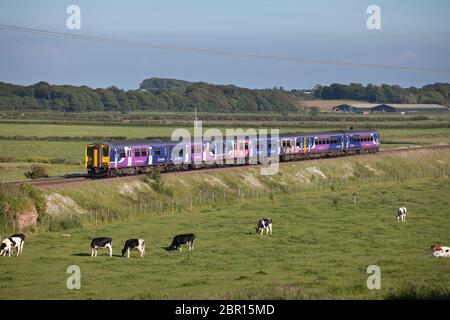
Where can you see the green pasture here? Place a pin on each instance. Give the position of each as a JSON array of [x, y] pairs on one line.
[[321, 246]]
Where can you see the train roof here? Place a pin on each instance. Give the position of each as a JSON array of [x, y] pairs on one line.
[[138, 142], [155, 142], [322, 133]]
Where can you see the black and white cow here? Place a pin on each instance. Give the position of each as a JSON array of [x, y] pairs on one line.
[[180, 239], [102, 242], [138, 244], [16, 241], [401, 214], [264, 225]]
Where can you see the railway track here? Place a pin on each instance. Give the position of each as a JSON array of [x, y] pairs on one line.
[[65, 180]]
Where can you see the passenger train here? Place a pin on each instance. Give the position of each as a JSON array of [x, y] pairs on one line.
[[117, 158]]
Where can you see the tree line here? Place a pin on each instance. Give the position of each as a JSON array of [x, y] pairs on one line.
[[157, 94], [438, 93], [201, 96]]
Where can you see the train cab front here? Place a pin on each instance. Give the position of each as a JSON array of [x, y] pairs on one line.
[[97, 160]]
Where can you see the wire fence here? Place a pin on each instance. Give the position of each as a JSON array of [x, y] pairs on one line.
[[186, 204]]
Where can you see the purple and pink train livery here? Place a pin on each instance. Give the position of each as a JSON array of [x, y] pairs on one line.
[[129, 157]]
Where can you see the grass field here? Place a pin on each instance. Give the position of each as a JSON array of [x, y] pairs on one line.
[[321, 247]]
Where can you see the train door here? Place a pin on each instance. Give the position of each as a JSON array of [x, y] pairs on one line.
[[310, 143], [128, 156], [150, 155], [116, 157], [186, 154]]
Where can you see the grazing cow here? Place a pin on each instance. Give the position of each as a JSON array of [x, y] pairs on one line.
[[103, 242], [16, 241], [401, 214], [264, 225], [440, 251], [180, 239], [138, 244]]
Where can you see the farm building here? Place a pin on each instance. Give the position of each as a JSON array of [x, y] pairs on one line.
[[354, 107], [388, 107], [405, 107]]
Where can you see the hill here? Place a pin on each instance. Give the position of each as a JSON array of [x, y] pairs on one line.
[[158, 84]]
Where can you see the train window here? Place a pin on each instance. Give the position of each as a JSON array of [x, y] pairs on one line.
[[121, 153], [143, 152], [246, 146], [137, 152], [298, 143], [105, 152], [157, 152]]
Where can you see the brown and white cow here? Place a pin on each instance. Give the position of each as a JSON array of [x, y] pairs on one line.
[[440, 251]]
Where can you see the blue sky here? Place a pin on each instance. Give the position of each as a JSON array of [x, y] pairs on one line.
[[414, 34]]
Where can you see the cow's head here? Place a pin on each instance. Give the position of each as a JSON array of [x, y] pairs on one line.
[[436, 247], [124, 251], [259, 226], [3, 248]]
